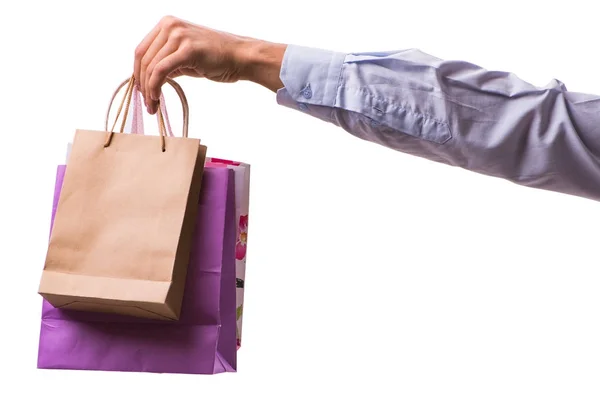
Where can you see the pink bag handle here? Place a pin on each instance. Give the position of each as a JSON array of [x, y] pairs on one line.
[[137, 122]]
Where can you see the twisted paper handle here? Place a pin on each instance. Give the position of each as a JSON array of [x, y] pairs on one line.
[[137, 123], [127, 101]]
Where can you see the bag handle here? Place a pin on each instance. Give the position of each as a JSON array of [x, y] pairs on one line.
[[137, 117], [178, 90], [127, 102]]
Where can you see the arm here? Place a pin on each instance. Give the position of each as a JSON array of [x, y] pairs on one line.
[[451, 112]]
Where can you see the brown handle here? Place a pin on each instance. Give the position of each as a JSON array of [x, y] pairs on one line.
[[178, 90], [127, 101]]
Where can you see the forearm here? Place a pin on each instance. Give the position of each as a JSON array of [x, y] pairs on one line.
[[261, 62], [453, 112]]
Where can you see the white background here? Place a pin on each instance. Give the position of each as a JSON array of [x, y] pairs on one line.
[[370, 273]]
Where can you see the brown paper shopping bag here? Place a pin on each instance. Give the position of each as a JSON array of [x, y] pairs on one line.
[[124, 222]]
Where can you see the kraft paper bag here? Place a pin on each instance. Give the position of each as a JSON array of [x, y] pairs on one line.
[[122, 232], [203, 341]]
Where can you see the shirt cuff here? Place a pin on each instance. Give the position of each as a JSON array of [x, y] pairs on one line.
[[310, 75]]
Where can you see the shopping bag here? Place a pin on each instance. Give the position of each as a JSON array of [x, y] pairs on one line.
[[242, 198], [122, 231], [242, 202], [202, 341]]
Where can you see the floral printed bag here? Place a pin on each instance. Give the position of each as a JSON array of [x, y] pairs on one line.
[[242, 201]]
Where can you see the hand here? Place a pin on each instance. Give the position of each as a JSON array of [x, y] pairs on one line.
[[176, 47]]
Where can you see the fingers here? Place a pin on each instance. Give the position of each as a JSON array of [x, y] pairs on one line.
[[151, 96], [154, 48], [141, 50], [163, 41], [164, 68]]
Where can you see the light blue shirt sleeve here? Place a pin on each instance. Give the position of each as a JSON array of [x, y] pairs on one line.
[[453, 112]]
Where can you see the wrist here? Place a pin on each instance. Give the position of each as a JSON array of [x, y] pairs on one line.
[[260, 62]]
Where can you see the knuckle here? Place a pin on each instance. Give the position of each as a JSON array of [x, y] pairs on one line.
[[159, 69], [177, 34], [166, 20], [186, 47], [159, 72], [169, 22], [139, 52], [145, 62]]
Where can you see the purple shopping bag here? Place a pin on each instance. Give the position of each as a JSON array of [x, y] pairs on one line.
[[203, 341]]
